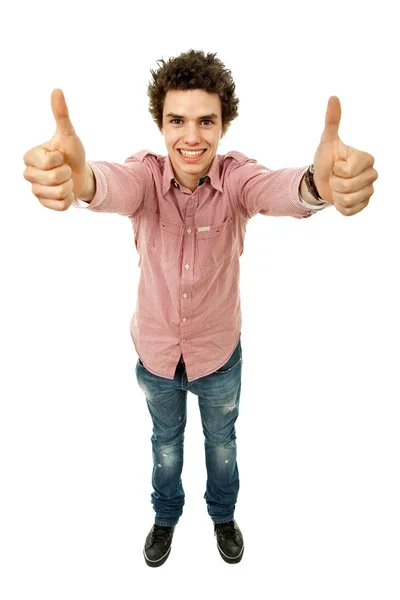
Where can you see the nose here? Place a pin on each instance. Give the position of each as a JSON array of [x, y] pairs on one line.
[[191, 135]]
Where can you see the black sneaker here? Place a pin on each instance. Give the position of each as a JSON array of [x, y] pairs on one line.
[[229, 541], [158, 545]]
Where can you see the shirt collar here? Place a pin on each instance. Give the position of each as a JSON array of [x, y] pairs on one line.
[[212, 175]]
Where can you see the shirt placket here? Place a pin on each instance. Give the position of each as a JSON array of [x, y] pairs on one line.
[[187, 271]]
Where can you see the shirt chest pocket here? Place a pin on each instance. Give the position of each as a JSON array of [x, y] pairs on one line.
[[214, 244], [166, 241]]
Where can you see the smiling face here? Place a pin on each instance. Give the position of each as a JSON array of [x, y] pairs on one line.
[[192, 122]]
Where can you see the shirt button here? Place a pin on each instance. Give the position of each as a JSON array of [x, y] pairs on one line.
[[186, 267], [185, 295], [184, 319], [183, 341], [189, 231]]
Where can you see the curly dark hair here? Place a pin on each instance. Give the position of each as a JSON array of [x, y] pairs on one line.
[[193, 70]]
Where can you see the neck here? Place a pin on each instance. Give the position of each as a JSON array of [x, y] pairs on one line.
[[187, 180]]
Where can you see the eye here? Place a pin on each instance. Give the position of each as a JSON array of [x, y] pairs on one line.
[[174, 120], [206, 121]]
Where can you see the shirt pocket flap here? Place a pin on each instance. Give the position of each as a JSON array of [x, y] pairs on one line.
[[214, 243], [166, 240]]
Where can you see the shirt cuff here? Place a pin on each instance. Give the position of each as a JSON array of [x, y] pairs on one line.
[[79, 203], [323, 204]]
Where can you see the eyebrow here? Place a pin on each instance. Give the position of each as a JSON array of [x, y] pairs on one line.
[[175, 116]]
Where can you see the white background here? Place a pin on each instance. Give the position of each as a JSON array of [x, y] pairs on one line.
[[318, 431]]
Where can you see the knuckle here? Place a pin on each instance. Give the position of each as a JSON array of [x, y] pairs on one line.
[[346, 203], [345, 170], [64, 173], [64, 205], [61, 192], [53, 177], [26, 158], [64, 190], [346, 186], [342, 200], [47, 163]]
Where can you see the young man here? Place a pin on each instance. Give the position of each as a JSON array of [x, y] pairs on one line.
[[189, 212]]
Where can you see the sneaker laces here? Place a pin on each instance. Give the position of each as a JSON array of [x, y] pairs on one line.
[[228, 530], [160, 533]]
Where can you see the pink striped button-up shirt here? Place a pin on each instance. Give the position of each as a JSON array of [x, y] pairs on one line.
[[189, 244]]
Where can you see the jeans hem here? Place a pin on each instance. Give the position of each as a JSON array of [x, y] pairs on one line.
[[223, 520], [165, 523]]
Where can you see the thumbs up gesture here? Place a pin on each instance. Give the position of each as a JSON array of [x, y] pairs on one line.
[[343, 175], [57, 169]]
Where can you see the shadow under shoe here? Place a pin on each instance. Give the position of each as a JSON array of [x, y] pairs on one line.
[[158, 545], [229, 541]]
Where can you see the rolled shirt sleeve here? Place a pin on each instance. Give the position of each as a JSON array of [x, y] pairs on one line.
[[259, 190], [314, 206], [80, 203], [120, 188]]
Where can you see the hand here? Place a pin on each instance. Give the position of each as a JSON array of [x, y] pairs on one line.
[[343, 175], [57, 169]]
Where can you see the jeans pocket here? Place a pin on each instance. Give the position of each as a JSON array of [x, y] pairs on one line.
[[233, 360]]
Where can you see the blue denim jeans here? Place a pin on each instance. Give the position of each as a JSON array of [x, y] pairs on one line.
[[218, 396]]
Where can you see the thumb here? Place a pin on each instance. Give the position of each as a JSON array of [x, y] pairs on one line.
[[332, 120], [61, 114]]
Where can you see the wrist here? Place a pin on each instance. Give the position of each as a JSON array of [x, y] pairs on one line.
[[87, 194], [310, 184], [306, 193]]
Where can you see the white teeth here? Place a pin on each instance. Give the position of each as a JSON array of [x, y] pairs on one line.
[[191, 154]]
